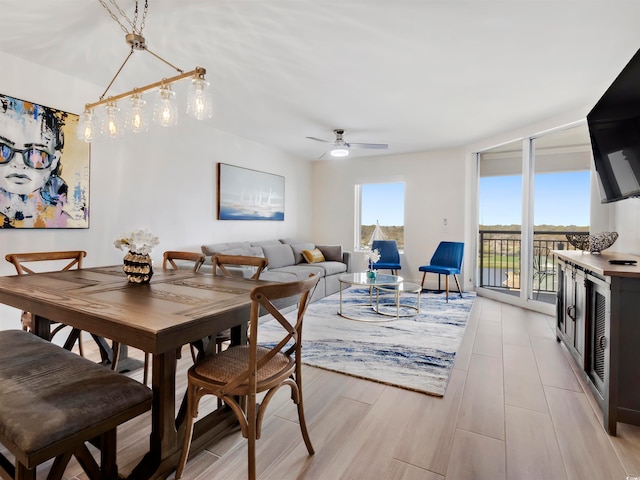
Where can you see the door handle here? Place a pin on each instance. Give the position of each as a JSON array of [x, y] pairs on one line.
[[571, 312], [602, 342]]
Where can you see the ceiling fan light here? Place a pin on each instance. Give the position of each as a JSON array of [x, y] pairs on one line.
[[339, 152]]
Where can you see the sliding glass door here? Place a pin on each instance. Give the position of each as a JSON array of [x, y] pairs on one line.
[[500, 218], [561, 198], [531, 193]]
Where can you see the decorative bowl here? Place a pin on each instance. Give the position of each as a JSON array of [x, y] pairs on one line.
[[592, 243]]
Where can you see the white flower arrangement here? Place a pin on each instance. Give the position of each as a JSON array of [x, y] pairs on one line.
[[372, 256], [138, 241]]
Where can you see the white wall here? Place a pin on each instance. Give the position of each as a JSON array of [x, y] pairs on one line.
[[164, 180], [626, 221], [434, 190]]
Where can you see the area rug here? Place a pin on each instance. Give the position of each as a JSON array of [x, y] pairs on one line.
[[414, 352]]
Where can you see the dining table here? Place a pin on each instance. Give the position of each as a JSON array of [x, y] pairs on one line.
[[175, 308]]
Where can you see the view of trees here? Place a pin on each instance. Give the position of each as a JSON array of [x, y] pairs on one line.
[[392, 232]]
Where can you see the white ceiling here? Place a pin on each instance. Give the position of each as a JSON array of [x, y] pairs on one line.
[[416, 74]]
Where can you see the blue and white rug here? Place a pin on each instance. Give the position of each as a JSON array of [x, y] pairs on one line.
[[415, 352]]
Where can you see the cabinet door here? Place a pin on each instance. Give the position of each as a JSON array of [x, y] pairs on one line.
[[580, 302], [561, 302], [569, 313], [598, 328]]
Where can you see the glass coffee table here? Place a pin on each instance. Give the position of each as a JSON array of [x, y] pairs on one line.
[[393, 309], [362, 280]]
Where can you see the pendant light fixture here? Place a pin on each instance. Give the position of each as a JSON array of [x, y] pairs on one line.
[[165, 110], [136, 119], [112, 126]]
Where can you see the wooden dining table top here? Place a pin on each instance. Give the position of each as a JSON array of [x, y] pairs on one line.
[[176, 307]]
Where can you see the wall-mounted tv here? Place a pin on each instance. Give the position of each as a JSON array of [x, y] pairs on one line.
[[614, 127]]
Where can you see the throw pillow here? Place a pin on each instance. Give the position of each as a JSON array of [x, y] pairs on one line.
[[332, 253], [298, 248], [313, 256]]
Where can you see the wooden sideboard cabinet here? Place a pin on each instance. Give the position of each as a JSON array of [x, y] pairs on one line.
[[598, 319]]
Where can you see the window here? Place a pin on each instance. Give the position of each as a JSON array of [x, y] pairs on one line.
[[379, 213]]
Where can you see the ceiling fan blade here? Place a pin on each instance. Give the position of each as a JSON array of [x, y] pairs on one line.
[[323, 155], [369, 145], [318, 139]]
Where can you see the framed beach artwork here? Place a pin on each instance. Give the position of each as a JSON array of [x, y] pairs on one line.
[[245, 194], [44, 168]]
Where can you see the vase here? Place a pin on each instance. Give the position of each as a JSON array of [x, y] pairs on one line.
[[138, 267], [371, 274]]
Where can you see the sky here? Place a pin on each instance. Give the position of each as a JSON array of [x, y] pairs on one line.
[[383, 202], [559, 199]]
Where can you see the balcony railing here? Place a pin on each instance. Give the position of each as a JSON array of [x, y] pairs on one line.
[[500, 254]]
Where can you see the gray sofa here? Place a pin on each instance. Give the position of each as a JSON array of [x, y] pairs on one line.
[[287, 262]]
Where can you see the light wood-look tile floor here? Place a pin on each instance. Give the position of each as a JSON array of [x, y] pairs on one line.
[[515, 409]]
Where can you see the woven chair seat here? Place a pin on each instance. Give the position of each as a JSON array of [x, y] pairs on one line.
[[225, 366]]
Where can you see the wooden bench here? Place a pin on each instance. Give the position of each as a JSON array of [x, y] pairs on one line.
[[52, 401]]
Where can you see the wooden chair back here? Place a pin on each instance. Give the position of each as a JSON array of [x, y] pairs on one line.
[[221, 261], [170, 257], [23, 262]]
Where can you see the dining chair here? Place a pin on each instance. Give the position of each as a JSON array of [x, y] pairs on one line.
[[389, 255], [239, 373], [255, 265], [176, 259], [447, 260], [232, 266], [36, 262]]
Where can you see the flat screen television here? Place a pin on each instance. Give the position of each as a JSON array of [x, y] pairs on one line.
[[614, 128]]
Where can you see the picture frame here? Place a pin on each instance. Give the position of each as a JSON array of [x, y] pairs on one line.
[[245, 194], [44, 167]]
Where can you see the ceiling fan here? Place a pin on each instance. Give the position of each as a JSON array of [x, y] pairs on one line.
[[340, 148]]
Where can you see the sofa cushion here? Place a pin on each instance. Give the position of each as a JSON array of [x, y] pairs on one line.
[[293, 241], [279, 255], [214, 248], [245, 251], [298, 248], [331, 268], [331, 253], [303, 270], [313, 256], [278, 276], [262, 243]]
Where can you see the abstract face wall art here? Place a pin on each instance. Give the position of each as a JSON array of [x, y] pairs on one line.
[[44, 169]]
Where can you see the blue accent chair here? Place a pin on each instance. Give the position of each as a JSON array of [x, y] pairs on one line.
[[389, 255], [447, 260]]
